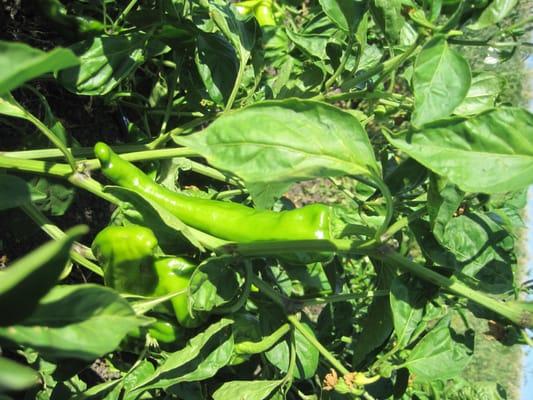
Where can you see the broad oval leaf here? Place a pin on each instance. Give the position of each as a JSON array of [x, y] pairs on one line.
[[107, 60], [14, 376], [246, 390], [346, 14], [490, 153], [213, 284], [407, 305], [494, 13], [30, 278], [441, 354], [388, 16], [20, 63], [481, 96], [217, 65], [76, 321], [275, 143], [440, 82]]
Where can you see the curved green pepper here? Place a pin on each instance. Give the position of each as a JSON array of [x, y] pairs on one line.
[[127, 256], [225, 220], [174, 274]]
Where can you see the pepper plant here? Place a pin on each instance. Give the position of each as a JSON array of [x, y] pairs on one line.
[[212, 278]]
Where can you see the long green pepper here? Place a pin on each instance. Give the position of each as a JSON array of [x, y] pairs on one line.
[[225, 220]]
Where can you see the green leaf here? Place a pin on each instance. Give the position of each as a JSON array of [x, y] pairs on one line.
[[217, 64], [106, 61], [307, 355], [20, 63], [275, 143], [377, 324], [9, 106], [246, 390], [443, 200], [346, 14], [76, 321], [57, 196], [312, 44], [15, 192], [494, 13], [441, 354], [440, 82], [14, 376], [200, 359], [213, 284], [490, 153], [474, 240], [407, 303], [388, 16], [24, 282], [481, 96]]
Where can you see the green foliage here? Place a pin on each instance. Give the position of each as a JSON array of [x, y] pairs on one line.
[[234, 108]]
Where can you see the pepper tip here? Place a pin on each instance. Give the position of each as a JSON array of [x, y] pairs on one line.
[[102, 152]]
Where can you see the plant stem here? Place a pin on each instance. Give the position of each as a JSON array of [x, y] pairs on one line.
[[53, 138], [124, 13], [384, 68], [35, 166], [342, 64], [402, 223], [513, 312], [293, 319], [237, 84], [81, 152], [145, 155], [276, 298], [334, 298]]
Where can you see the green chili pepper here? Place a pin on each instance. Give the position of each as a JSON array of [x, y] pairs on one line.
[[127, 256], [162, 330], [174, 274], [225, 220], [262, 10]]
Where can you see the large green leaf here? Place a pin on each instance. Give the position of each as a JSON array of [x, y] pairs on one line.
[[441, 354], [345, 13], [200, 359], [490, 153], [24, 282], [246, 390], [494, 13], [440, 82], [20, 63], [388, 16], [213, 284], [14, 376], [107, 60], [217, 64], [407, 303], [75, 321], [275, 143], [481, 95]]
